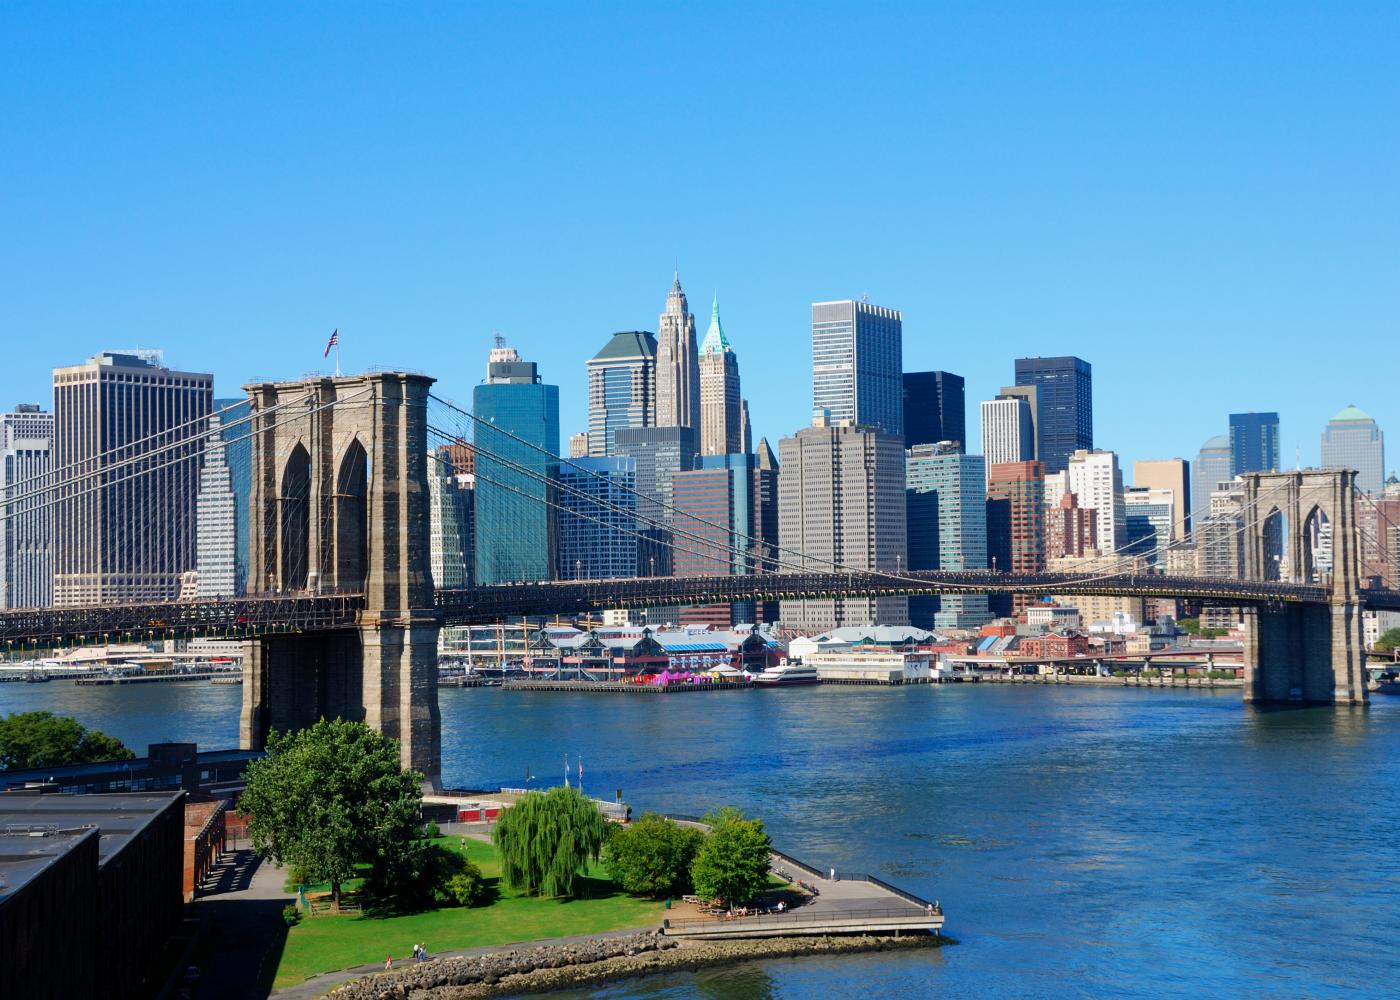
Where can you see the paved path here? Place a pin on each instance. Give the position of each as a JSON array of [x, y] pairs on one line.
[[241, 910]]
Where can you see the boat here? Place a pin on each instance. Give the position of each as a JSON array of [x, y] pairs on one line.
[[1383, 681], [787, 674]]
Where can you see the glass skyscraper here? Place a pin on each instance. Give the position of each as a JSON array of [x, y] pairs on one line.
[[1065, 401], [935, 408], [515, 521], [598, 519], [1211, 469], [1253, 442], [946, 498], [621, 388], [858, 364], [659, 453], [1352, 440]]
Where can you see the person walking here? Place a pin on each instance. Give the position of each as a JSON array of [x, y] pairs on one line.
[[388, 962]]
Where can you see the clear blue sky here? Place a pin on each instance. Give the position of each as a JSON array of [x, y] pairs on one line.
[[1200, 198]]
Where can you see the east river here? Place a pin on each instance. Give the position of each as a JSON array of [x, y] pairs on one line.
[[1083, 842]]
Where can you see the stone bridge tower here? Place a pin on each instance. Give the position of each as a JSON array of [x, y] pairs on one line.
[[339, 502], [1301, 527]]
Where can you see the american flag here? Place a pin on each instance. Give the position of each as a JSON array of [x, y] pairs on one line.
[[333, 342]]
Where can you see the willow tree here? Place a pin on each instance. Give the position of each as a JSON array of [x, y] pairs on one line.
[[546, 841]]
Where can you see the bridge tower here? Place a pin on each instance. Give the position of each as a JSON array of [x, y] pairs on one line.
[[339, 502], [1304, 652]]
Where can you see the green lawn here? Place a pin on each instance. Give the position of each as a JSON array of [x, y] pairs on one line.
[[323, 944]]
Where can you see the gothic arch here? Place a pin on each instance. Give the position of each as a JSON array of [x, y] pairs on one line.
[[1272, 535], [1316, 545], [351, 518], [294, 520]]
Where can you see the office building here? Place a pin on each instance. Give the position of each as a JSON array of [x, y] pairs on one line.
[[1094, 477], [841, 504], [1016, 523], [946, 504], [598, 518], [621, 389], [722, 410], [1064, 407], [451, 499], [1032, 397], [1008, 431], [1149, 512], [935, 408], [858, 365], [133, 539], [1221, 534], [578, 445], [1352, 440], [1253, 443], [658, 454], [1070, 530], [216, 519], [1212, 467], [26, 531], [516, 458], [1173, 475], [677, 368]]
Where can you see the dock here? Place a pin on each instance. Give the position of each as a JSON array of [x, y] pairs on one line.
[[461, 681], [619, 687], [140, 679]]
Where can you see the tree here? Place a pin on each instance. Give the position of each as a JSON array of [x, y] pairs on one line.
[[42, 739], [653, 855], [733, 864], [1389, 640], [546, 841], [330, 797]]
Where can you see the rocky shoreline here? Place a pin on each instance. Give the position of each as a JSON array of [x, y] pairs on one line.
[[591, 963]]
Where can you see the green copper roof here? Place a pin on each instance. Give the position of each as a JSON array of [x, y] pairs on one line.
[[629, 344], [715, 341], [1351, 412]]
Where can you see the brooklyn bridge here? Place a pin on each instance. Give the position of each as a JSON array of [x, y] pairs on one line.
[[342, 616]]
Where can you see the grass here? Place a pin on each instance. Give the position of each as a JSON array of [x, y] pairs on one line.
[[326, 943]]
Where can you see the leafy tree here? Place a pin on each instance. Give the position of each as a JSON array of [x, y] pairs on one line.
[[42, 739], [330, 797], [1388, 641], [653, 855], [547, 839], [1191, 626], [734, 863], [467, 887]]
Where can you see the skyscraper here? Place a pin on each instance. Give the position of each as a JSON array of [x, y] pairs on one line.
[[1174, 476], [132, 539], [721, 407], [1032, 397], [841, 503], [1253, 443], [516, 449], [935, 408], [1016, 520], [946, 504], [659, 453], [237, 432], [598, 520], [451, 497], [216, 519], [1352, 440], [677, 369], [1008, 433], [1149, 513], [621, 388], [1065, 396], [26, 531], [1095, 478], [1213, 464], [858, 364]]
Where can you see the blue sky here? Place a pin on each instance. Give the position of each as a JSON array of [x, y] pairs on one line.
[[1199, 198]]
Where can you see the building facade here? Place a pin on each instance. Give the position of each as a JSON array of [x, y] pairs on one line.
[[216, 519], [858, 365], [451, 499], [138, 429], [946, 507], [1065, 406], [26, 531], [621, 388], [841, 504], [1008, 431], [1095, 478], [516, 459], [935, 408], [1213, 464], [722, 413], [1149, 514], [1352, 440], [598, 518], [1070, 530], [1253, 443], [1016, 521], [1173, 475], [658, 454], [677, 370]]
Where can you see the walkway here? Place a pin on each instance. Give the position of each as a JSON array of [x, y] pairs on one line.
[[240, 909]]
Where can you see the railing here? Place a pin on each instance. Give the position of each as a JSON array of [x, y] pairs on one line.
[[894, 889], [801, 915]]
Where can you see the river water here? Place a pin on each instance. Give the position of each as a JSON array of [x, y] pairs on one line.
[[1121, 842]]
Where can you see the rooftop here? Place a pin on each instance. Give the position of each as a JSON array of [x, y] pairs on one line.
[[1352, 413], [628, 344]]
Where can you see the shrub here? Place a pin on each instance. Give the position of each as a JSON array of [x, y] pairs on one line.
[[467, 887], [653, 855]]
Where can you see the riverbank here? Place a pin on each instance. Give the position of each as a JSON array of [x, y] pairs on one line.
[[593, 963]]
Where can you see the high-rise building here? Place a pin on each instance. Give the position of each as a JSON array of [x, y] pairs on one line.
[[746, 433], [1174, 475], [1212, 467], [659, 453], [1008, 431], [721, 407], [935, 408], [132, 539], [1016, 520], [677, 370], [1070, 530], [841, 504], [26, 530], [451, 498], [858, 365], [1032, 397], [1352, 440], [578, 445], [621, 388], [1221, 533], [946, 505], [1149, 513], [598, 518], [237, 431], [1253, 443], [516, 459], [216, 519], [1065, 406], [1095, 478]]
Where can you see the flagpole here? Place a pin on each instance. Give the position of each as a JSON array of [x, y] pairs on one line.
[[337, 356]]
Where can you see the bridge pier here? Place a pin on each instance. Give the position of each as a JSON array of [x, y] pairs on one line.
[[1309, 653]]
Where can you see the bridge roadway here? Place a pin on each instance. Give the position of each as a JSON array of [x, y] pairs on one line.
[[245, 617]]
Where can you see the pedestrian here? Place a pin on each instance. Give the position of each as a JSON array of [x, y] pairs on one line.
[[930, 909], [422, 953], [464, 845], [389, 962], [833, 874]]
